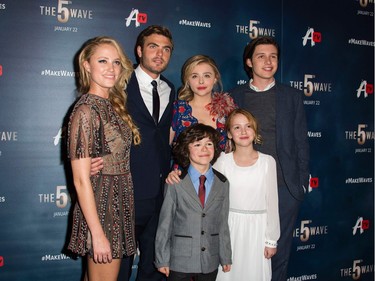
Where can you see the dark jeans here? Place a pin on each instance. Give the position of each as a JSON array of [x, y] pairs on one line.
[[146, 223], [288, 212]]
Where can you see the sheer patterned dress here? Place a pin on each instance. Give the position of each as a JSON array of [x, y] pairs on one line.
[[94, 130]]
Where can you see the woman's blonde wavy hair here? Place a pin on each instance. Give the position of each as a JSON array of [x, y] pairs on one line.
[[117, 94]]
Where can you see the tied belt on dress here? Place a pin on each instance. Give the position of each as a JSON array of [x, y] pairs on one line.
[[247, 211]]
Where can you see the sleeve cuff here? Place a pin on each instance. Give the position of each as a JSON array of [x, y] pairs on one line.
[[270, 244]]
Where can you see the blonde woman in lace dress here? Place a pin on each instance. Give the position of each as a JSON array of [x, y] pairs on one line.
[[103, 217]]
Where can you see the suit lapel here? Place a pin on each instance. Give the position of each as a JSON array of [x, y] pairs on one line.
[[167, 114], [188, 187], [216, 185], [134, 94], [279, 106]]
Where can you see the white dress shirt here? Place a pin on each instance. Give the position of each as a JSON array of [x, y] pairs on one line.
[[144, 81], [256, 89]]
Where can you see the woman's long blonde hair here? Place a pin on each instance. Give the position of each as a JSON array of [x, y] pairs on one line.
[[117, 94]]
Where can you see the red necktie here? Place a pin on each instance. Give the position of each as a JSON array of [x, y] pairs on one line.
[[202, 189]]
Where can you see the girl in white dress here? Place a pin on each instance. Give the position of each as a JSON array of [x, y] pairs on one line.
[[253, 215]]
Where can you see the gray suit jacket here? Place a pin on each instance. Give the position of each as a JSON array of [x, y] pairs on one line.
[[192, 239]]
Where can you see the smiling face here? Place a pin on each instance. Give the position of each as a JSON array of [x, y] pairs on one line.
[[155, 54], [241, 131], [104, 67], [263, 63], [201, 154], [202, 79]]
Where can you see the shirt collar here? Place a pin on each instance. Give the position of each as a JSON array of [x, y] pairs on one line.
[[256, 89], [143, 77], [194, 174]]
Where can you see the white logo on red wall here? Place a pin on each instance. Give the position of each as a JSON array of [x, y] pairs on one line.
[[136, 17], [365, 89], [312, 36], [361, 225]]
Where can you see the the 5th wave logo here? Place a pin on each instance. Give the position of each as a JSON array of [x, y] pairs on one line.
[[255, 30], [64, 11], [311, 36], [309, 85], [358, 269], [306, 230]]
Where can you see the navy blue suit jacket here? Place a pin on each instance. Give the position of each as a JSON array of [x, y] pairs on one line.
[[150, 161], [291, 136]]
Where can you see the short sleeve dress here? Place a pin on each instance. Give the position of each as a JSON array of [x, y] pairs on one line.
[[94, 130]]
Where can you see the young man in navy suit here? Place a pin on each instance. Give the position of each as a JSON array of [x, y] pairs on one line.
[[280, 113], [149, 161]]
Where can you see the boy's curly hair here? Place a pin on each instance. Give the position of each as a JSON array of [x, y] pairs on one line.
[[194, 133]]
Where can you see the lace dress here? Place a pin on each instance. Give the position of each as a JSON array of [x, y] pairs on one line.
[[94, 130]]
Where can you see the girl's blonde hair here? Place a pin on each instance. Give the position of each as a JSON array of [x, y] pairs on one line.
[[185, 93], [252, 121]]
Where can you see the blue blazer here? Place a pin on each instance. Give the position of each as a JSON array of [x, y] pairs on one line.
[[150, 161], [291, 136]]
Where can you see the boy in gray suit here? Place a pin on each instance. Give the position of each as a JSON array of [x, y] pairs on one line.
[[193, 239]]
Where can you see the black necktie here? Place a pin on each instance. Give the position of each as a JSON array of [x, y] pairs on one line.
[[202, 189], [155, 101]]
